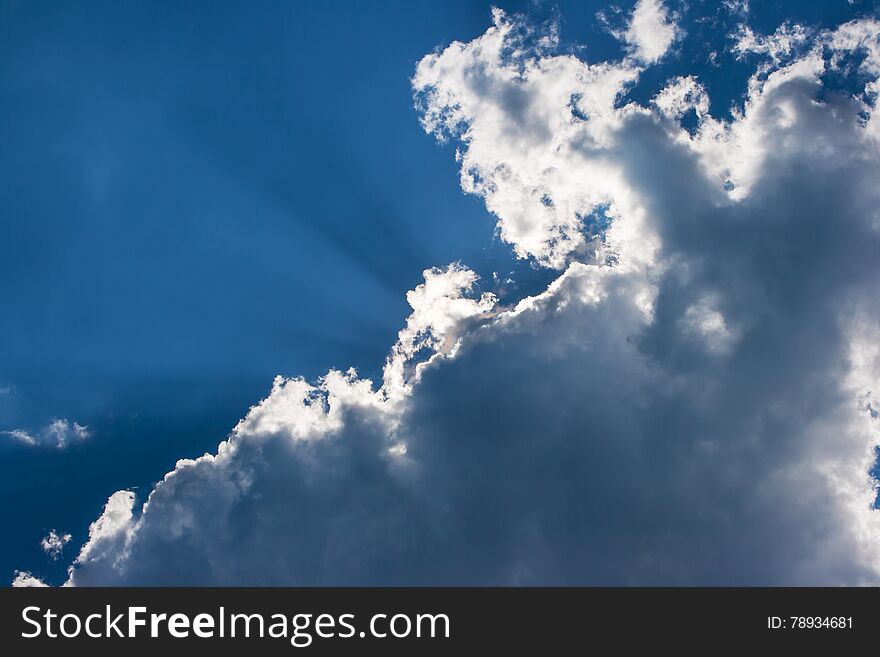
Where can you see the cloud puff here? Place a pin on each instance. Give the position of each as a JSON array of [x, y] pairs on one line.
[[681, 95], [650, 33], [25, 579], [691, 401], [59, 433], [54, 543]]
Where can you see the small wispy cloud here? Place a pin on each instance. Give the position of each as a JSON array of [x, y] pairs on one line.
[[21, 436], [740, 7], [54, 543], [59, 433]]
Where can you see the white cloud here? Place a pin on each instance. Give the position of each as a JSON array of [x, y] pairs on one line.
[[681, 95], [736, 6], [110, 534], [26, 580], [692, 402], [779, 46], [705, 321], [535, 129], [440, 313], [54, 543], [62, 432], [857, 36], [650, 32], [59, 433], [794, 61], [790, 40], [21, 436]]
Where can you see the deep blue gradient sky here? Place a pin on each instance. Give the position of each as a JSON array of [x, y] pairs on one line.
[[197, 196]]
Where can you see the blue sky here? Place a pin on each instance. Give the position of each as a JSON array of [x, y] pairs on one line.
[[195, 197]]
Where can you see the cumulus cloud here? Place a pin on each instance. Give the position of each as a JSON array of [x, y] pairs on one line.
[[534, 129], [650, 32], [110, 534], [691, 401], [440, 314], [59, 433], [54, 543], [25, 579]]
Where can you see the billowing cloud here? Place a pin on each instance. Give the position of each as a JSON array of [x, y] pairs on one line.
[[59, 433], [691, 401], [534, 130]]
